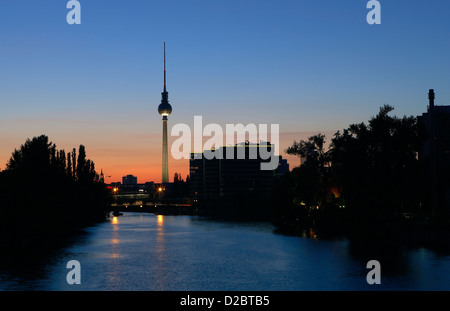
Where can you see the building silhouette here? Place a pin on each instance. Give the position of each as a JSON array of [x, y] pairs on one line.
[[165, 109], [436, 155], [129, 180], [283, 167], [234, 186], [131, 188]]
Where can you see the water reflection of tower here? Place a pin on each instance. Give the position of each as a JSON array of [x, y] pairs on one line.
[[165, 109]]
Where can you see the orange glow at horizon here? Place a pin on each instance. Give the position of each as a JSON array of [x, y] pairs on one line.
[[139, 154]]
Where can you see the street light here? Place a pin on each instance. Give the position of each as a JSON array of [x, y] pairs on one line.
[[160, 192], [115, 189]]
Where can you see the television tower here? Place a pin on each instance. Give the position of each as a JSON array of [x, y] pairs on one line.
[[165, 109]]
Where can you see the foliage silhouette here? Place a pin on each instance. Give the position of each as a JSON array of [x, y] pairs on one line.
[[41, 198], [367, 178]]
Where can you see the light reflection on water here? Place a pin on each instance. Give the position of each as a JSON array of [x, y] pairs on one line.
[[149, 252]]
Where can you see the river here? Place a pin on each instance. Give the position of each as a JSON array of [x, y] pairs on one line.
[[142, 251]]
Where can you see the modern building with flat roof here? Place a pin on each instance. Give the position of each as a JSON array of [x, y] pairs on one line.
[[231, 185]]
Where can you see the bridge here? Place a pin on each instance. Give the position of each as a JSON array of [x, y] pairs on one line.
[[141, 202]]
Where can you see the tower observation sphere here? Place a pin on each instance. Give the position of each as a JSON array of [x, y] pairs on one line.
[[165, 108]]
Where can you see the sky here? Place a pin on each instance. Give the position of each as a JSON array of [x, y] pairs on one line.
[[309, 66]]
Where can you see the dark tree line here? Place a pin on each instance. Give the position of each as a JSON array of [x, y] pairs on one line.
[[46, 193], [366, 181]]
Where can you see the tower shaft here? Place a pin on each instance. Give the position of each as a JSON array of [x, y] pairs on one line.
[[165, 154]]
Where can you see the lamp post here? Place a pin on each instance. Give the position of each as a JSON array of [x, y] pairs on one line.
[[115, 194], [160, 192]]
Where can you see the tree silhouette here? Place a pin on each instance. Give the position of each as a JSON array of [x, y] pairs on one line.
[[33, 156], [312, 149], [74, 164], [377, 168], [40, 198], [367, 178], [69, 165]]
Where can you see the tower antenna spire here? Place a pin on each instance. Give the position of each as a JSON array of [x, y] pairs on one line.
[[165, 66]]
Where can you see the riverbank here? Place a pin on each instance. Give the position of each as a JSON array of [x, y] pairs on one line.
[[160, 209], [400, 233], [21, 241]]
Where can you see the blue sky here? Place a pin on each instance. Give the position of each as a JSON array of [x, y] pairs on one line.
[[306, 65]]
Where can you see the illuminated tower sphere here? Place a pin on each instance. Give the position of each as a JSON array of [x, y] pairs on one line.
[[165, 109]]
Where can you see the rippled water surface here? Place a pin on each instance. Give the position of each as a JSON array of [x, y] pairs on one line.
[[151, 252]]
